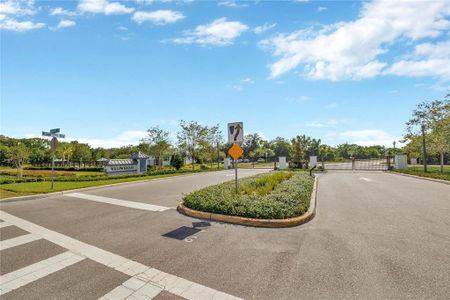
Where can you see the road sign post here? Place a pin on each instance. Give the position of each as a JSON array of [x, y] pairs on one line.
[[235, 136], [235, 132], [54, 133]]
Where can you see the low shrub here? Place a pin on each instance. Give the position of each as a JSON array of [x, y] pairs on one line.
[[277, 195], [435, 174], [87, 169]]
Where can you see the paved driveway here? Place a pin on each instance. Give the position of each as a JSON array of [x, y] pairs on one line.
[[376, 235]]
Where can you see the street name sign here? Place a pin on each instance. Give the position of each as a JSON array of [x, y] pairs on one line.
[[235, 151], [235, 132], [56, 130]]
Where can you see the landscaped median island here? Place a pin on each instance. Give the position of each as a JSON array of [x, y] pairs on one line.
[[266, 198]]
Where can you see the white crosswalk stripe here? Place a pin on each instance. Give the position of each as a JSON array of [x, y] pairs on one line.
[[153, 278], [28, 274], [20, 240], [130, 204], [4, 224]]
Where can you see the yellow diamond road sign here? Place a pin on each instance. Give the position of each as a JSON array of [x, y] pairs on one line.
[[235, 151]]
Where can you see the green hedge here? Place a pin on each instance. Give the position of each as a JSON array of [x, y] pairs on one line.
[[8, 179], [289, 198], [433, 174], [88, 169]]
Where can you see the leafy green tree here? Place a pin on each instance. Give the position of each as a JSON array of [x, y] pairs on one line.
[[432, 117], [252, 142], [281, 147], [81, 152], [176, 161], [65, 151], [190, 138], [215, 139], [299, 145], [158, 143], [18, 155], [4, 154]]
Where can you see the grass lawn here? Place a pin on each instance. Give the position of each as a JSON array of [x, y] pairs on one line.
[[433, 171], [277, 195], [258, 164], [27, 188]]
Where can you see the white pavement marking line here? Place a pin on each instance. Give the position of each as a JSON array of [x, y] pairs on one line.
[[133, 288], [365, 179], [171, 283], [131, 204], [20, 240], [4, 224], [28, 274]]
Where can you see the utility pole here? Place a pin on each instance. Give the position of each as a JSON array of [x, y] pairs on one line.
[[424, 149]]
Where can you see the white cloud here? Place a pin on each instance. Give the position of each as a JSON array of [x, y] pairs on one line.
[[13, 12], [117, 9], [264, 28], [248, 80], [144, 2], [59, 11], [351, 50], [66, 24], [232, 3], [159, 17], [19, 26], [323, 124], [368, 137], [18, 7], [428, 60], [103, 7], [321, 8], [220, 32]]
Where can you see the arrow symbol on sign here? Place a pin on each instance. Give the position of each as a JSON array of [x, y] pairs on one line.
[[238, 130]]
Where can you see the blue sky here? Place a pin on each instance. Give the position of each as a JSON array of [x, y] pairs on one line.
[[105, 71]]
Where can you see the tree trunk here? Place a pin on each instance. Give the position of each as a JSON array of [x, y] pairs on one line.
[[442, 162]]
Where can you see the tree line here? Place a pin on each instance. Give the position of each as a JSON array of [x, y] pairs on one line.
[[205, 144], [200, 144]]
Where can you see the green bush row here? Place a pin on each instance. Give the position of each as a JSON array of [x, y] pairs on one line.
[[88, 169], [8, 179], [290, 198], [435, 174]]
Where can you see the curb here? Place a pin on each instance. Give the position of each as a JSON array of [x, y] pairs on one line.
[[421, 177], [269, 223], [46, 195]]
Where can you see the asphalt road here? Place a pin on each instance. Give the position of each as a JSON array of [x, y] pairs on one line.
[[375, 236]]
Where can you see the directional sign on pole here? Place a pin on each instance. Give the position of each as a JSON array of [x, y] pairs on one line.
[[235, 132], [45, 133], [235, 151]]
